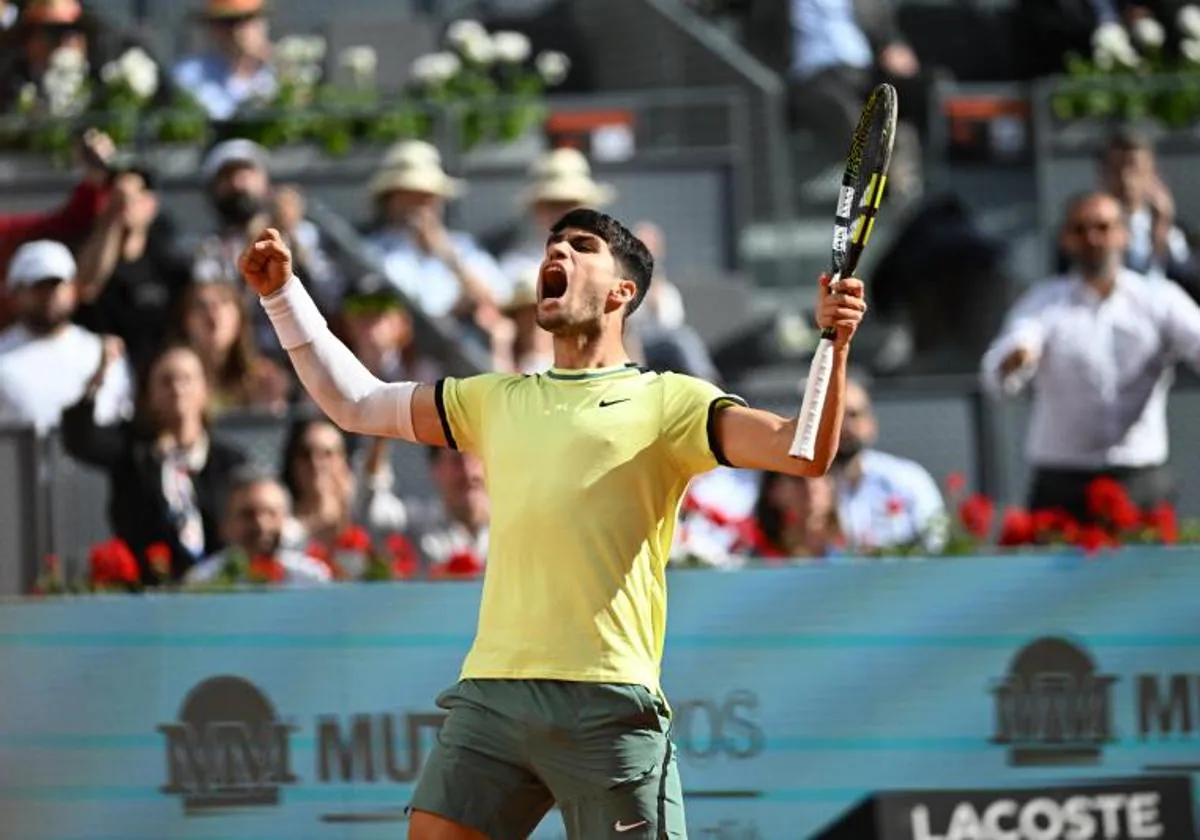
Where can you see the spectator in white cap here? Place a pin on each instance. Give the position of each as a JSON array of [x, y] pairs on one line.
[[238, 185], [45, 360], [238, 68], [443, 272]]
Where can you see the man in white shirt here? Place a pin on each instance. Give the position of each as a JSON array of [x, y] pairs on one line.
[[443, 272], [1099, 346], [256, 512], [884, 501], [45, 360]]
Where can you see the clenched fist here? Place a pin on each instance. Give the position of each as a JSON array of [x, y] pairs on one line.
[[841, 307], [266, 263]]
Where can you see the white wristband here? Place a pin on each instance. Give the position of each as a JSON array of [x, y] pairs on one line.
[[294, 315]]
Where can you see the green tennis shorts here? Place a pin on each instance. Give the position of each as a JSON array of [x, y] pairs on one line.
[[510, 750]]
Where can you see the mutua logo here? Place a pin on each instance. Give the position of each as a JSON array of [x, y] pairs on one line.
[[228, 750], [1053, 708]]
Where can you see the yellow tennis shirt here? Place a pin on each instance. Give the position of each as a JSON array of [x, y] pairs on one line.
[[585, 471]]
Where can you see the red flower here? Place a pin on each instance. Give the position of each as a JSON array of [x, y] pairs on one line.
[[976, 514], [1093, 538], [894, 506], [1049, 524], [1162, 519], [158, 555], [462, 563], [113, 564], [752, 538], [955, 482], [1108, 501], [354, 538], [319, 551], [266, 569], [53, 566], [404, 556], [1017, 528]]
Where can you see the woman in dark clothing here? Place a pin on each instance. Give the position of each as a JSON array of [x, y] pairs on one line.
[[167, 475]]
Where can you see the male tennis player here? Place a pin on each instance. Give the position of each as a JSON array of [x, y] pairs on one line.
[[559, 699]]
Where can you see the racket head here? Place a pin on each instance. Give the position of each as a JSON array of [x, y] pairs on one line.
[[864, 179]]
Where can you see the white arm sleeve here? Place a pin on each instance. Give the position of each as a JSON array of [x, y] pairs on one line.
[[339, 383]]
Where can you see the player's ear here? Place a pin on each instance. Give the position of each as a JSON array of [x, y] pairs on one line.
[[621, 294]]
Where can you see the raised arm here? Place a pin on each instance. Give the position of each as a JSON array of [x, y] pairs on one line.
[[755, 439], [1011, 361], [339, 383]]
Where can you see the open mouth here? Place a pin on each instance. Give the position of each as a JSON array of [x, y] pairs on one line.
[[554, 281]]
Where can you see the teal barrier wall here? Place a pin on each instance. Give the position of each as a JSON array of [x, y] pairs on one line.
[[306, 715]]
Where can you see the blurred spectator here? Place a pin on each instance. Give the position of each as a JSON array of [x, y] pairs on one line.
[[239, 190], [213, 322], [840, 50], [659, 326], [255, 514], [884, 501], [793, 517], [1158, 246], [378, 329], [237, 69], [457, 522], [45, 360], [443, 272], [1099, 345], [714, 517], [326, 497], [69, 223], [131, 269], [8, 15], [168, 477]]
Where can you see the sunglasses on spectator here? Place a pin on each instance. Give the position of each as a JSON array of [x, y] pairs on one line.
[[1080, 228]]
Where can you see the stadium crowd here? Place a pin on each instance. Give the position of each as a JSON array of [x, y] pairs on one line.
[[130, 334]]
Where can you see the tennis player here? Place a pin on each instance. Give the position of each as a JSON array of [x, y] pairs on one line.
[[559, 699]]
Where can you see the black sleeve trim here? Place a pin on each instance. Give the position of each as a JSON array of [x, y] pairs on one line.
[[714, 407], [439, 400]]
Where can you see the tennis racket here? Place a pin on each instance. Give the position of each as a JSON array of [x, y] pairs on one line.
[[858, 201]]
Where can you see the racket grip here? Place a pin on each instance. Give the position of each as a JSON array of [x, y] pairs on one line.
[[804, 444]]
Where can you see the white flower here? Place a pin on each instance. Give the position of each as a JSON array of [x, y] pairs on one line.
[[553, 67], [463, 31], [140, 72], [67, 60], [63, 82], [1110, 42], [510, 47], [360, 61], [111, 73], [1149, 33], [1190, 47], [290, 49], [307, 75], [435, 68], [314, 48], [479, 49], [1188, 21]]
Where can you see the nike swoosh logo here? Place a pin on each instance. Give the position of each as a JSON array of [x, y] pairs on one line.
[[607, 403], [621, 827]]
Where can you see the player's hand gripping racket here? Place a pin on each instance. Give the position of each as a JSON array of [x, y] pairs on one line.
[[862, 191]]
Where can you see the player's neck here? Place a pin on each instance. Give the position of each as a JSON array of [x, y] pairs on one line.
[[583, 352]]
